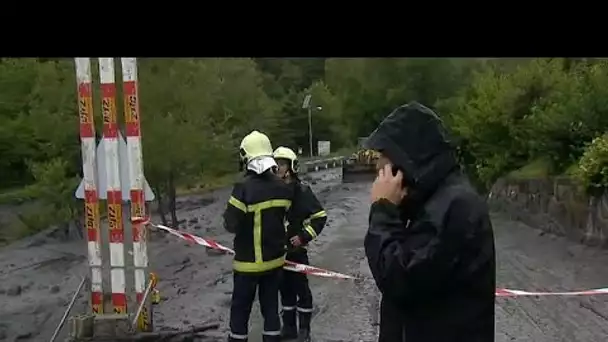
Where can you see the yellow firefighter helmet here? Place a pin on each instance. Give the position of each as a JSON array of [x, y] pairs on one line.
[[286, 153], [255, 145]]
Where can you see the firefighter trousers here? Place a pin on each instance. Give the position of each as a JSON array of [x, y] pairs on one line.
[[296, 296], [243, 295]]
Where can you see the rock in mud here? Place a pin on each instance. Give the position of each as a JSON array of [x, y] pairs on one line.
[[198, 227], [225, 302], [14, 290], [64, 232], [24, 336], [37, 242], [54, 289], [214, 252]]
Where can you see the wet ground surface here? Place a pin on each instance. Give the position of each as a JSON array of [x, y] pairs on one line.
[[37, 279]]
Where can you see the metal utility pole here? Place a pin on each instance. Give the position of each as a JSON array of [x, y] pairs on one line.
[[306, 104], [310, 129]]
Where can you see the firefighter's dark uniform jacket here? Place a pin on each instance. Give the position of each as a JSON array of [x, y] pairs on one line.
[[255, 214], [306, 219], [433, 257]]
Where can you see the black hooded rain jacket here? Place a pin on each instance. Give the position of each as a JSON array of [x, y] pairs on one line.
[[432, 257]]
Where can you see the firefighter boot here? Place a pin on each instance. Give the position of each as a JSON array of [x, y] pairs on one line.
[[271, 338], [232, 339], [289, 330], [304, 323], [304, 335]]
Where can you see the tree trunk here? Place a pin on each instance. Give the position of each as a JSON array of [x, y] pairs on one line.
[[161, 206], [172, 198]]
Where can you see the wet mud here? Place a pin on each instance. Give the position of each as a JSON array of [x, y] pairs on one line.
[[37, 279]]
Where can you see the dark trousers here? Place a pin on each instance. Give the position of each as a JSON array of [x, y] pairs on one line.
[[243, 295], [296, 295]]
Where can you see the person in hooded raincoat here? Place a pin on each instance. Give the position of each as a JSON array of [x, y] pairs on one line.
[[255, 213], [430, 242]]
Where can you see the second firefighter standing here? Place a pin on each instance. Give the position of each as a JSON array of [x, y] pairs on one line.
[[305, 221]]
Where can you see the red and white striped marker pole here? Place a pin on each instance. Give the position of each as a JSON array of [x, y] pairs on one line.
[[114, 193], [91, 200], [136, 176]]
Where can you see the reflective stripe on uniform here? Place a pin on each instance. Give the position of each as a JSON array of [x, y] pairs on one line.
[[288, 308], [318, 214], [248, 267], [257, 225], [237, 204], [310, 231], [259, 265], [269, 204], [304, 309], [271, 333], [238, 336], [308, 227]]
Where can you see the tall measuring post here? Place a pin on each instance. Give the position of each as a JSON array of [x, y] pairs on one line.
[[114, 172], [137, 182], [113, 189], [89, 180]]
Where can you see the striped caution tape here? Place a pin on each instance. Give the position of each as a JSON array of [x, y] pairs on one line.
[[209, 243], [307, 269], [519, 293], [311, 270], [193, 238]]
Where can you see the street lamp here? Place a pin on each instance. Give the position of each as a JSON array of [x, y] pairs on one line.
[[307, 105]]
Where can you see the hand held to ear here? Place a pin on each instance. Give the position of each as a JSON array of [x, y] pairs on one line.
[[388, 185]]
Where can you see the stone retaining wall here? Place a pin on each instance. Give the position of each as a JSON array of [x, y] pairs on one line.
[[555, 206]]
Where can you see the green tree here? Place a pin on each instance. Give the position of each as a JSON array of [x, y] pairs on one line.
[[194, 114]]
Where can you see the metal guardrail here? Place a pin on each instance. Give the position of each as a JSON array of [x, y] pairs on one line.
[[322, 164]]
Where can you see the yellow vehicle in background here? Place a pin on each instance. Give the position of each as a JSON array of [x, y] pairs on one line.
[[361, 166]]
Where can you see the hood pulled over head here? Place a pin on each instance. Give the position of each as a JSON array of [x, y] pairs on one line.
[[413, 138]]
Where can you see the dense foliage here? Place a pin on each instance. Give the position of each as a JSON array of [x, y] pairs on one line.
[[593, 168], [504, 114]]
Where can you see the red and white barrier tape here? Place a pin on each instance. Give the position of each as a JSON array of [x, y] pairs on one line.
[[209, 243], [319, 272], [519, 293], [311, 270]]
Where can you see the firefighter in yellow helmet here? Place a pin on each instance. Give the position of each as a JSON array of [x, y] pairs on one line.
[[256, 214], [306, 219]]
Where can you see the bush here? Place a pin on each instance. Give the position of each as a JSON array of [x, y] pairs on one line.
[[492, 118], [592, 170]]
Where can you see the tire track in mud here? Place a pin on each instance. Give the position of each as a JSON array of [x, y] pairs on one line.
[[530, 260], [347, 309]]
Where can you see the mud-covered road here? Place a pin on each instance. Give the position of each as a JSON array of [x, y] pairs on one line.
[[38, 275]]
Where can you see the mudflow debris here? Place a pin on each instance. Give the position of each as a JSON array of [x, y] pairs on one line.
[[38, 279]]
